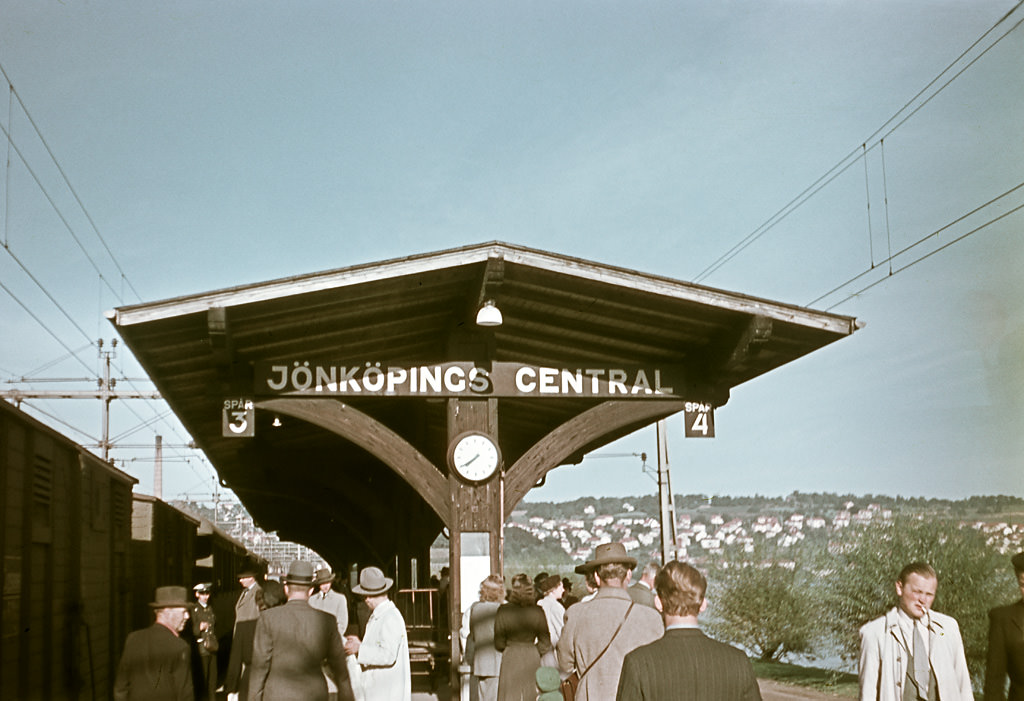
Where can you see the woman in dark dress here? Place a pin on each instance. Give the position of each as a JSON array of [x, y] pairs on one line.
[[521, 635]]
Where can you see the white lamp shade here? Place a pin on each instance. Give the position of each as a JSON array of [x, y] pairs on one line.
[[489, 314]]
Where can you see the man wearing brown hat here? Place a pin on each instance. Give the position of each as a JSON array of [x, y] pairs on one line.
[[598, 633], [329, 601], [156, 663], [293, 642], [1006, 645], [383, 653]]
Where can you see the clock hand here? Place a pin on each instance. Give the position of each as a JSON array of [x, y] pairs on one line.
[[473, 458]]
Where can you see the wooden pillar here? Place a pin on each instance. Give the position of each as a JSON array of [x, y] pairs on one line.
[[475, 508]]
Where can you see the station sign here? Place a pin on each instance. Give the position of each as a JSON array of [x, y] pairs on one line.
[[238, 417], [699, 420], [468, 379]]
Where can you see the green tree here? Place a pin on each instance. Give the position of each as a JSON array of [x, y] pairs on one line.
[[760, 603], [525, 553], [860, 569]]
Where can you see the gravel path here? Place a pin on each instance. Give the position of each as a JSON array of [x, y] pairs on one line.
[[774, 691]]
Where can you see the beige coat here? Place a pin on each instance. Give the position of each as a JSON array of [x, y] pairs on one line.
[[884, 658], [588, 629]]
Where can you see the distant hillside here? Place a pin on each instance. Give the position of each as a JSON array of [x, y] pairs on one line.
[[827, 505]]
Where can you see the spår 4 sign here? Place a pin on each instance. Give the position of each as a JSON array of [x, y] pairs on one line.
[[699, 420]]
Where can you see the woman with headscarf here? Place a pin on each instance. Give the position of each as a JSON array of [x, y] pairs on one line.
[[521, 635]]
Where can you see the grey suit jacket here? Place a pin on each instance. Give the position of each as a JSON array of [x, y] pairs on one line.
[[686, 665], [335, 604], [642, 594], [292, 643]]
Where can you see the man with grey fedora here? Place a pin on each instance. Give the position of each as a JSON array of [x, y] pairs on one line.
[[156, 663], [292, 644], [383, 653], [598, 633]]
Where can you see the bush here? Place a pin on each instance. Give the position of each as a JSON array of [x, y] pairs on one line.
[[761, 605]]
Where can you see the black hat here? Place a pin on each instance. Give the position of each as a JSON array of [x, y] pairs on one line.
[[170, 597], [1018, 562], [549, 583], [249, 569]]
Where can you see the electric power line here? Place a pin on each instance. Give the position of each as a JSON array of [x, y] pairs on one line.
[[860, 151], [67, 182], [906, 249], [929, 254]]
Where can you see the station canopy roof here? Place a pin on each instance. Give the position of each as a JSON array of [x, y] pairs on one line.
[[316, 488]]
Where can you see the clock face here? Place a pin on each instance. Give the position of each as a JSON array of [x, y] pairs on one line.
[[475, 457]]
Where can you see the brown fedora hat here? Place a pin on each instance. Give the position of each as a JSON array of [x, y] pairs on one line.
[[372, 582], [299, 572], [322, 576], [607, 554], [170, 597]]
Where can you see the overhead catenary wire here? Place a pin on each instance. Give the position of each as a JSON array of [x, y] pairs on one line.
[[60, 215], [44, 326], [67, 181], [11, 144], [929, 254], [861, 151], [918, 242]]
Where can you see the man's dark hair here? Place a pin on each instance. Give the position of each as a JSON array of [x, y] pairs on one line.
[[681, 589], [922, 569], [522, 591]]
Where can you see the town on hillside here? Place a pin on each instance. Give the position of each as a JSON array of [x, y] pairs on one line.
[[706, 525]]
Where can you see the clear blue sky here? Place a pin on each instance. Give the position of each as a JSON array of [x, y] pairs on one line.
[[217, 144]]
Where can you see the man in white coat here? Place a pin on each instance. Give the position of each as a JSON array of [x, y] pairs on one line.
[[383, 653], [912, 652]]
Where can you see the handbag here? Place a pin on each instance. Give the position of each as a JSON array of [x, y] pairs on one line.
[[571, 683], [569, 686], [209, 641]]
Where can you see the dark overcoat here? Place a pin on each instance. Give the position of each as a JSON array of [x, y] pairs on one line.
[[1005, 653], [155, 666], [686, 665], [521, 635], [291, 645]]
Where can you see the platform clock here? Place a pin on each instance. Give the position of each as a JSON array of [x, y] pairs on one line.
[[474, 456]]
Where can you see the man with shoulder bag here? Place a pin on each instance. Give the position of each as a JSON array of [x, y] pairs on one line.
[[599, 633]]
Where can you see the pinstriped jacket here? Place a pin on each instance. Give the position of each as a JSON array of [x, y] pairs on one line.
[[686, 665]]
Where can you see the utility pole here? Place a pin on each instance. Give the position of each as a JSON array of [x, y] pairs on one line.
[[105, 392], [665, 498]]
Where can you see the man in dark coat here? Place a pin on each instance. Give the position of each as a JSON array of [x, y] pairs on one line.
[[685, 665], [156, 663], [292, 644], [204, 635], [1006, 645]]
